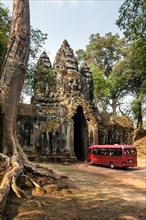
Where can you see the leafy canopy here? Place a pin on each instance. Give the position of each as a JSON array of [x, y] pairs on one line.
[[102, 54], [132, 19]]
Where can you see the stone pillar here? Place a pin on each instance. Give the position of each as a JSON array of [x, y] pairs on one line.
[[86, 141], [70, 137], [95, 135]]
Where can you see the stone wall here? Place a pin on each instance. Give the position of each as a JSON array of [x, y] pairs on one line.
[[115, 130]]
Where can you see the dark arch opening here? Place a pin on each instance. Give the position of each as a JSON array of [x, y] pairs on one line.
[[80, 134]]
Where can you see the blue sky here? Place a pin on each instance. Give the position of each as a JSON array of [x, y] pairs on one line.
[[72, 20]]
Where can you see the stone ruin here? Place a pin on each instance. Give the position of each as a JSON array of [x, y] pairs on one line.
[[62, 120]]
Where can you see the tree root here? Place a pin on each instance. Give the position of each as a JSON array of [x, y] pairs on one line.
[[5, 159], [11, 179], [40, 170]]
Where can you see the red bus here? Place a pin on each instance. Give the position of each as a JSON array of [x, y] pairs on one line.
[[113, 155]]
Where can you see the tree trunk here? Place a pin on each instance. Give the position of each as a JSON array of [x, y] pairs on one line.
[[11, 82], [13, 72], [139, 116], [114, 106]]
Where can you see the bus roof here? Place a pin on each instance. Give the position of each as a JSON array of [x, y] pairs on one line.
[[112, 146]]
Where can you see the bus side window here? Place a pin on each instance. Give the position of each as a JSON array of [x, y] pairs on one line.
[[103, 152], [119, 152], [97, 151], [133, 151], [112, 152], [94, 151]]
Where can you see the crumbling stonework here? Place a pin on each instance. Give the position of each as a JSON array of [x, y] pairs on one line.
[[115, 130], [70, 119], [62, 120]]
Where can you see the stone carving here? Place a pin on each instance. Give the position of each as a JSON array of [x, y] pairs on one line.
[[44, 79], [44, 61], [87, 82], [65, 58], [63, 121]]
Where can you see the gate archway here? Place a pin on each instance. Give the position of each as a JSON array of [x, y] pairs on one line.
[[80, 134]]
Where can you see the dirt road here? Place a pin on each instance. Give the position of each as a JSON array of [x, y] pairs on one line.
[[129, 184], [95, 192]]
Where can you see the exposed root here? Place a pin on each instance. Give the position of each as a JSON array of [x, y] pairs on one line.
[[42, 172], [5, 159], [15, 172], [19, 192], [5, 186], [15, 167]]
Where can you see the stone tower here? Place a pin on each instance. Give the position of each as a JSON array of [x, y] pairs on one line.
[[70, 121], [41, 85], [87, 82]]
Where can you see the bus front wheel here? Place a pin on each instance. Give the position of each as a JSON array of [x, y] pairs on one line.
[[112, 165]]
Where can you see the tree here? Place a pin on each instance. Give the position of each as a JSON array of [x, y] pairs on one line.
[[110, 91], [44, 81], [118, 85], [11, 82], [132, 21], [37, 40], [101, 88], [103, 52], [137, 83]]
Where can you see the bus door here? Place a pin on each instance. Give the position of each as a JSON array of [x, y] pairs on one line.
[[115, 156], [94, 156], [103, 156]]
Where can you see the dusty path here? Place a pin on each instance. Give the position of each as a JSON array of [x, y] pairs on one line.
[[98, 193], [127, 184]]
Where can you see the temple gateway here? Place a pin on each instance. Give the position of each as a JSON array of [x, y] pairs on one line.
[[62, 120]]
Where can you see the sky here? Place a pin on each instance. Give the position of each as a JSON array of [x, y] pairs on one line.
[[72, 20]]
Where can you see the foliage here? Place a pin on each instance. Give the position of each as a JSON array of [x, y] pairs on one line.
[[137, 82], [105, 55], [37, 40], [118, 82], [136, 106], [132, 19], [4, 31], [81, 56], [44, 79], [103, 52], [101, 87]]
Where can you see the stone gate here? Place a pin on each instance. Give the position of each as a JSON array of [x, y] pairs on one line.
[[62, 120]]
